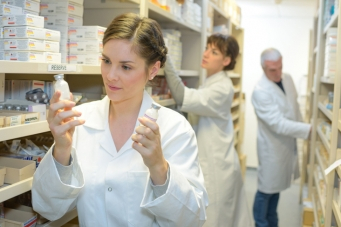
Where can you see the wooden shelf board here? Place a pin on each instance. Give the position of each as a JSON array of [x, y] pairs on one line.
[[317, 222], [326, 112], [339, 125], [235, 117], [324, 139], [163, 16], [12, 190], [338, 170], [332, 22], [233, 75], [320, 163], [327, 80], [219, 11], [62, 221], [235, 103], [337, 213], [166, 102], [18, 131], [237, 90], [319, 194]]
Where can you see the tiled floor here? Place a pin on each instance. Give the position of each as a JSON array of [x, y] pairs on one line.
[[289, 209]]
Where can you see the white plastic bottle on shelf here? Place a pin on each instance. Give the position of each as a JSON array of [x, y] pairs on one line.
[[62, 86], [152, 112]]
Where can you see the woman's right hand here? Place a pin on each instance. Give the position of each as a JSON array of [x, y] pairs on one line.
[[62, 123]]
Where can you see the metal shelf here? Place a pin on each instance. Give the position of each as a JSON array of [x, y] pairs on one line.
[[219, 11], [337, 213], [13, 132], [63, 220], [235, 103], [320, 163], [326, 112], [319, 194], [235, 117], [332, 23], [185, 73], [324, 139], [12, 190], [338, 170], [327, 80], [317, 222], [237, 90]]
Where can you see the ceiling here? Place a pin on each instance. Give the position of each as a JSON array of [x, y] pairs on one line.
[[286, 9]]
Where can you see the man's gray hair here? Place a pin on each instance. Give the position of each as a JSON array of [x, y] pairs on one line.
[[270, 54]]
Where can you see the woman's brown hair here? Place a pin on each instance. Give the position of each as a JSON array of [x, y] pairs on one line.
[[227, 45], [144, 33]]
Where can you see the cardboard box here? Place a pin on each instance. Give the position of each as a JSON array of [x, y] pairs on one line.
[[23, 32], [62, 20], [27, 56], [23, 20], [64, 57], [1, 32], [86, 32], [6, 9], [32, 107], [2, 46], [24, 11], [52, 46], [308, 216], [85, 46], [54, 8], [26, 117], [2, 175], [63, 31], [2, 85], [64, 46], [79, 2], [19, 218], [24, 44], [2, 122], [12, 119], [24, 4], [85, 59], [52, 35], [17, 170], [53, 58], [2, 56]]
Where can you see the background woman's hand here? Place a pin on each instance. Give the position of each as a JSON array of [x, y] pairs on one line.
[[62, 125], [147, 142]]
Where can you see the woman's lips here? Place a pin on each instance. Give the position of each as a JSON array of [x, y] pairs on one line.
[[114, 88]]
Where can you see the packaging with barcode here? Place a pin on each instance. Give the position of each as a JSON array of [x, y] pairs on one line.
[[86, 32], [24, 4], [55, 58], [28, 56], [23, 32], [60, 7], [62, 20], [85, 59], [6, 9], [85, 46], [23, 19], [52, 35], [24, 44], [52, 46]]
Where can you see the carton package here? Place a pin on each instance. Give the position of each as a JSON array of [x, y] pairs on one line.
[[2, 175], [24, 4], [62, 20], [19, 218], [12, 119], [1, 32], [85, 59], [32, 107], [85, 46], [79, 2], [49, 89], [64, 45], [2, 57], [23, 32], [52, 35], [54, 8], [64, 56], [18, 88], [86, 32], [27, 56], [52, 46], [51, 57], [25, 11], [2, 86], [63, 30], [6, 9], [23, 20], [2, 46], [17, 170], [24, 44]]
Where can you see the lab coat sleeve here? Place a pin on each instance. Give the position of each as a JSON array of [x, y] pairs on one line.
[[267, 111], [185, 200], [51, 197], [209, 102]]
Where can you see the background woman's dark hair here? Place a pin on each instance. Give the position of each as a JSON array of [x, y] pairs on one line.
[[144, 33], [227, 45]]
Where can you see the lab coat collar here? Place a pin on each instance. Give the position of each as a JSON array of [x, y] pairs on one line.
[[98, 118], [215, 78], [272, 85]]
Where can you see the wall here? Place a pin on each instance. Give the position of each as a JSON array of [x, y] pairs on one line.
[[290, 35]]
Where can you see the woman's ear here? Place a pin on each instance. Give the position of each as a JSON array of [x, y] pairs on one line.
[[226, 61], [154, 70]]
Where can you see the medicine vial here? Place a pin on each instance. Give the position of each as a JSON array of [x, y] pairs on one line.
[[152, 113], [62, 86]]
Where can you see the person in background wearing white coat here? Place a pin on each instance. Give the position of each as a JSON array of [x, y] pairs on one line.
[[114, 177], [217, 155], [279, 124]]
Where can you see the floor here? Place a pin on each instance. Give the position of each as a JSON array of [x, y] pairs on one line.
[[289, 209]]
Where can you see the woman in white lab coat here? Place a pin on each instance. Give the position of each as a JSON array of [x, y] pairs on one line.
[[217, 155], [97, 164]]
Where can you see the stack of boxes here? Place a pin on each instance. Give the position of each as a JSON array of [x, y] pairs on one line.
[[59, 15], [174, 45], [24, 36], [191, 13], [330, 53]]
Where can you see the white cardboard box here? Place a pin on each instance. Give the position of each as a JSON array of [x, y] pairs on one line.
[[24, 11], [52, 35], [54, 8], [86, 32], [32, 107], [17, 170], [64, 46], [2, 57], [23, 32], [28, 56], [23, 19], [53, 58], [1, 32], [85, 46], [24, 4], [80, 2], [6, 9], [62, 29], [2, 46], [64, 56], [24, 44], [85, 59], [62, 20], [52, 46], [19, 218]]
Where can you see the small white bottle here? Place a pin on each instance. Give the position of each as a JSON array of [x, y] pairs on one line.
[[62, 86], [152, 113]]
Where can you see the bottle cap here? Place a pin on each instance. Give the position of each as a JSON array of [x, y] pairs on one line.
[[59, 76], [156, 106]]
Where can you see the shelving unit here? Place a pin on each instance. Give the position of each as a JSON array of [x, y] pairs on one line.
[[318, 87], [10, 191], [62, 221]]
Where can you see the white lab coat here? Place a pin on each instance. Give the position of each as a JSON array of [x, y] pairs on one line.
[[217, 155], [113, 188], [279, 124]]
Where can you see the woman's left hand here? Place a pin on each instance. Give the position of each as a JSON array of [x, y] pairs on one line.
[[147, 142]]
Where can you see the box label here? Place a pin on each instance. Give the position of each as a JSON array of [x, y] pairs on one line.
[[64, 68]]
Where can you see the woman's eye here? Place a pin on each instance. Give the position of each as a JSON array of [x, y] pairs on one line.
[[106, 61], [126, 67]]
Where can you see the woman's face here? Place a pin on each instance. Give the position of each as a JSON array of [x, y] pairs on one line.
[[213, 60], [123, 71]]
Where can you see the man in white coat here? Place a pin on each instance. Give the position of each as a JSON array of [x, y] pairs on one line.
[[279, 124]]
